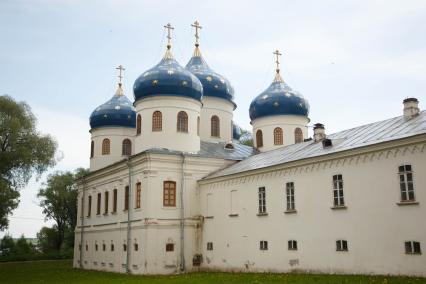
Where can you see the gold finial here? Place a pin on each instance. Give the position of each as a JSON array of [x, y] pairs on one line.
[[197, 26], [120, 69], [169, 37], [278, 76]]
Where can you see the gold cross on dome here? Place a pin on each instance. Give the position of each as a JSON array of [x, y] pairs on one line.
[[169, 37], [277, 54], [197, 26], [120, 69]]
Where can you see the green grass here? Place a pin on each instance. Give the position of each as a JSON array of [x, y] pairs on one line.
[[61, 271]]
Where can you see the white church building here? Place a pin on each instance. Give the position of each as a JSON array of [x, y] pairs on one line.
[[171, 189]]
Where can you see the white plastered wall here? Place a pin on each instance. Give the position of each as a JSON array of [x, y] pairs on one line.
[[221, 108], [288, 124]]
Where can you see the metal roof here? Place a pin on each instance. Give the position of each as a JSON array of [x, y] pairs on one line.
[[369, 134]]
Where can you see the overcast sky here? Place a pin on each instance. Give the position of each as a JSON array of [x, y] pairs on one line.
[[355, 61]]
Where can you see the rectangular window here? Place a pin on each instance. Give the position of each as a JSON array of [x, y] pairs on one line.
[[98, 208], [292, 245], [136, 247], [126, 198], [406, 183], [103, 247], [412, 247], [96, 247], [124, 247], [170, 247], [106, 202], [138, 195], [263, 245], [114, 201], [338, 191], [209, 246], [112, 247], [289, 188], [89, 206], [341, 245], [262, 200], [234, 202], [169, 193]]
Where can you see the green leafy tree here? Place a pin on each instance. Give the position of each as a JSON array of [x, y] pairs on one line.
[[23, 247], [48, 240], [23, 151], [7, 246], [246, 138], [59, 202]]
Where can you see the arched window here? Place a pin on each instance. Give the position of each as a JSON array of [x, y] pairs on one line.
[[278, 136], [139, 124], [106, 146], [215, 126], [298, 135], [259, 138], [92, 149], [126, 149], [198, 126], [182, 122], [157, 121]]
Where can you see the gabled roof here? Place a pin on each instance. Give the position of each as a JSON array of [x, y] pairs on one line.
[[369, 134]]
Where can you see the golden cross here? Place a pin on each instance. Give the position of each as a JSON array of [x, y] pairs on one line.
[[120, 69], [169, 37], [197, 26], [278, 54]]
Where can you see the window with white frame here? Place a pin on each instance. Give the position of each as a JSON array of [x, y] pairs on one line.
[[406, 183], [292, 245], [338, 190], [289, 188], [263, 245], [341, 245], [262, 200], [412, 247], [209, 246]]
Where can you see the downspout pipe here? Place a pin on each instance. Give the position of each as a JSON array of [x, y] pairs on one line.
[[82, 223], [128, 250], [182, 215]]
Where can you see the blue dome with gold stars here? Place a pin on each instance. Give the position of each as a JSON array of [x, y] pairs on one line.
[[214, 85], [118, 111], [168, 78], [278, 99]]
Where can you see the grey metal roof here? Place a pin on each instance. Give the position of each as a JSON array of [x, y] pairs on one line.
[[369, 134], [214, 150]]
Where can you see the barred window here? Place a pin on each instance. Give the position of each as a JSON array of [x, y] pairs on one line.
[[92, 149], [103, 247], [292, 245], [209, 246], [169, 193], [298, 135], [126, 149], [278, 136], [114, 200], [157, 121], [341, 245], [259, 138], [262, 200], [126, 198], [182, 122], [106, 202], [138, 195], [338, 191], [138, 124], [290, 196], [170, 247], [98, 208], [136, 246], [106, 144], [406, 183], [215, 126], [263, 245], [112, 246], [412, 247]]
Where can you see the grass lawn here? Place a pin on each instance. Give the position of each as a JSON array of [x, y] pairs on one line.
[[61, 271]]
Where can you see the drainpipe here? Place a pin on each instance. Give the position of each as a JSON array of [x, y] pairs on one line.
[[82, 224], [182, 216], [128, 217]]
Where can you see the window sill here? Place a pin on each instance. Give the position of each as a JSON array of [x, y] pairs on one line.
[[405, 203], [114, 213], [262, 214], [233, 215], [208, 217], [293, 211], [338, 207], [105, 214], [169, 207], [342, 250], [292, 249], [413, 253]]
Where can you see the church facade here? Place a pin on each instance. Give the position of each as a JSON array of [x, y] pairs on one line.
[[171, 189]]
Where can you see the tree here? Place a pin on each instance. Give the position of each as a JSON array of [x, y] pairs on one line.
[[23, 247], [246, 138], [23, 151], [47, 240], [7, 246], [59, 202]]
